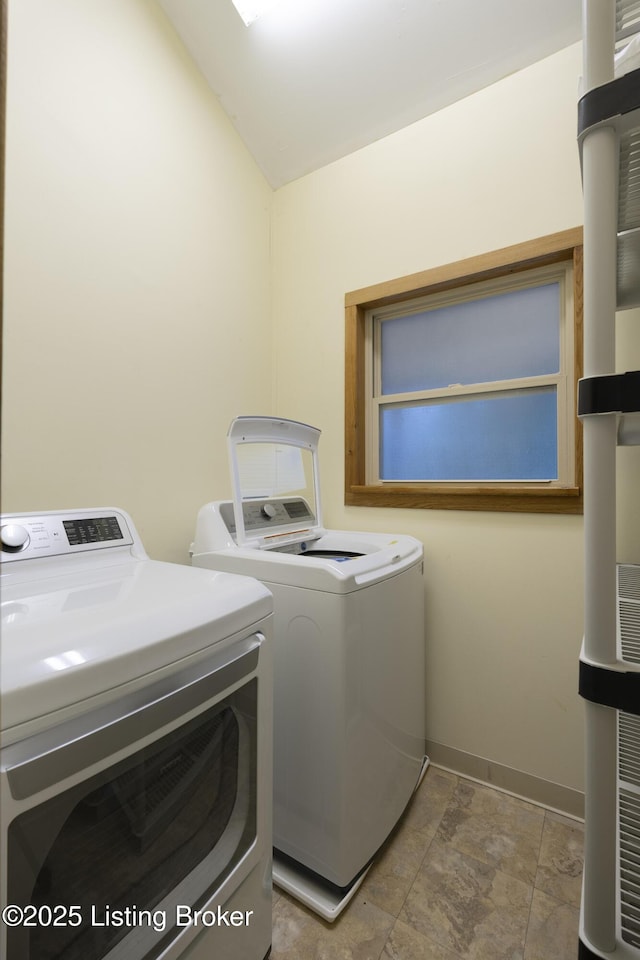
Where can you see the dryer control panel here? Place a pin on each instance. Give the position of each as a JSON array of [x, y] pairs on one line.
[[28, 536]]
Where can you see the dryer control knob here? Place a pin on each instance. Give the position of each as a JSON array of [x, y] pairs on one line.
[[269, 510], [13, 537]]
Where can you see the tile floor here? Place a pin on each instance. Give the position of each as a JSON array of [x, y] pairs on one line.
[[470, 874]]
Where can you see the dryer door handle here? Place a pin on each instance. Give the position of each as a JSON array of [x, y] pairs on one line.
[[36, 763]]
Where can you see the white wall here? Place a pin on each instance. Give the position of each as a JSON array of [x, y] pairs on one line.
[[137, 287], [503, 591], [137, 323]]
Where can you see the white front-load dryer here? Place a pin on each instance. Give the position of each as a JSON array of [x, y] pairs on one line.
[[349, 659]]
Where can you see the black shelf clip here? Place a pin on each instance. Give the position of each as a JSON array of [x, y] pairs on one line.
[[610, 688], [605, 103], [613, 393]]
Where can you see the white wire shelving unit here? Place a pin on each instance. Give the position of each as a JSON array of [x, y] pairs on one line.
[[609, 406]]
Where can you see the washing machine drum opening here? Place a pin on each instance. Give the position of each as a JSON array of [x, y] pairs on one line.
[[339, 555]]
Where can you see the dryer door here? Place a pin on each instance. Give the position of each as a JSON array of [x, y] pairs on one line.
[[116, 834]]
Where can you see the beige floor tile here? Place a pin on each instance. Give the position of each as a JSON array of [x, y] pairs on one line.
[[561, 859], [494, 827], [430, 802], [553, 929], [360, 933], [392, 874], [455, 882], [405, 943], [394, 869], [468, 906]]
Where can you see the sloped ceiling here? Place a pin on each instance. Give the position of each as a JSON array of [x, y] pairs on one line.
[[314, 80]]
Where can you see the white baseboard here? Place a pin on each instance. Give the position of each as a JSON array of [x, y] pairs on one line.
[[547, 794]]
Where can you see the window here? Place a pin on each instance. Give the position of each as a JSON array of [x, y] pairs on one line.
[[461, 384]]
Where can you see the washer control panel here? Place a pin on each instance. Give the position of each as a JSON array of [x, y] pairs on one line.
[[26, 536], [258, 515]]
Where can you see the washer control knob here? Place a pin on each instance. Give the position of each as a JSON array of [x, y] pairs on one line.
[[13, 537], [269, 511]]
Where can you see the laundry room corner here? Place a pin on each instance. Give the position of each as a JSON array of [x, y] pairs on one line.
[[137, 286], [320, 460], [503, 591]]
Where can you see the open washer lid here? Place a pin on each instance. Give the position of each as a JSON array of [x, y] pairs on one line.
[[273, 459]]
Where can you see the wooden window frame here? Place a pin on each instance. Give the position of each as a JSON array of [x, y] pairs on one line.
[[457, 495]]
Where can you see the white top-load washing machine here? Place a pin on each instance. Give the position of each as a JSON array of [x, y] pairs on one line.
[[349, 659], [135, 750]]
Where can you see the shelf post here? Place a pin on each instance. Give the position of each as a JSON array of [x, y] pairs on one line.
[[599, 166]]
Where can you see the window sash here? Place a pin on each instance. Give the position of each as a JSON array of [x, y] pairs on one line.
[[456, 451], [561, 273], [557, 248], [421, 348]]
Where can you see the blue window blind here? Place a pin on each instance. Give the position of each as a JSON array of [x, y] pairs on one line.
[[501, 337], [505, 433], [507, 436]]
